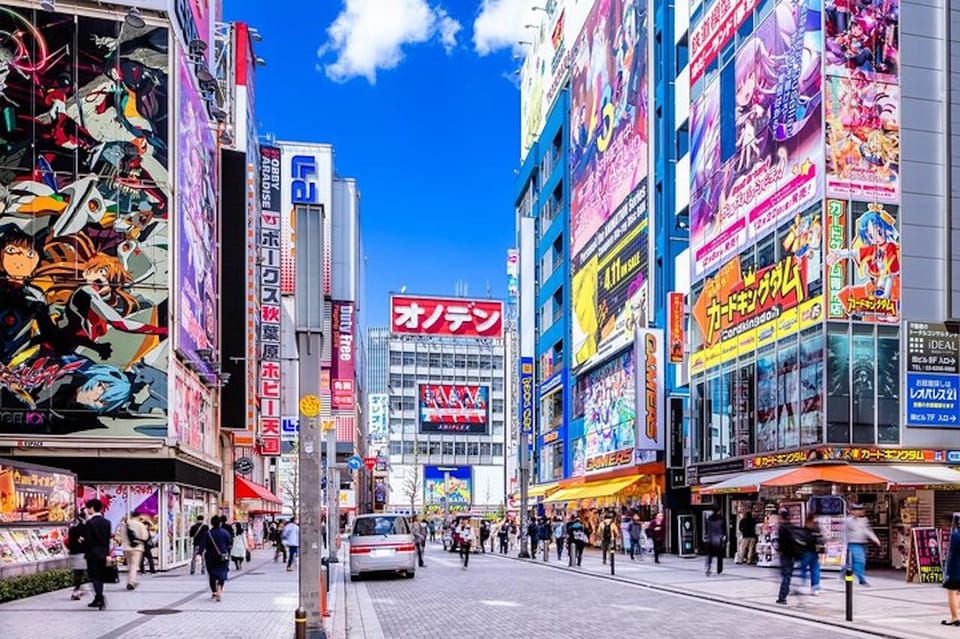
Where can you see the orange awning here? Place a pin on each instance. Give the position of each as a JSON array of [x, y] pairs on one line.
[[833, 473], [244, 489]]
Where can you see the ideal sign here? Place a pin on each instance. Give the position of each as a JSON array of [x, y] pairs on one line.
[[303, 179]]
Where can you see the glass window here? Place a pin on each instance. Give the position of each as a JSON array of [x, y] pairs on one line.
[[448, 448], [838, 384], [497, 405], [557, 461], [460, 359], [766, 252], [435, 448], [497, 383], [436, 361], [498, 362], [811, 387], [460, 448], [485, 362], [448, 361], [380, 525], [409, 382], [395, 358], [888, 385], [409, 359], [485, 449], [698, 422], [551, 411], [744, 398], [473, 361], [396, 448], [498, 427], [423, 359], [710, 429], [767, 401], [863, 384], [788, 391], [497, 449], [408, 448], [422, 448], [473, 448], [409, 403]]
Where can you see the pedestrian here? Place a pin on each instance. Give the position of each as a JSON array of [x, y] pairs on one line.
[[635, 533], [484, 535], [503, 535], [238, 549], [951, 574], [96, 549], [810, 542], [789, 548], [715, 536], [148, 546], [608, 535], [625, 520], [432, 526], [419, 539], [577, 536], [657, 532], [279, 550], [134, 536], [291, 540], [198, 535], [545, 532], [513, 535], [859, 533], [77, 561], [465, 538], [748, 539], [533, 536], [216, 555], [559, 535]]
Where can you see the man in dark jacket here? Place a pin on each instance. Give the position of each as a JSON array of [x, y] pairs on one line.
[[533, 536], [715, 537], [789, 547], [748, 539], [96, 549], [198, 534]]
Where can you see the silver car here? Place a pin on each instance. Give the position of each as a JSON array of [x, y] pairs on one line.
[[382, 543]]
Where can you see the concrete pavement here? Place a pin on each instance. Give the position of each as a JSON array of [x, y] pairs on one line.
[[889, 607]]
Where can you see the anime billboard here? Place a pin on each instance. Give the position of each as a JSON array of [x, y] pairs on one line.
[[83, 225], [608, 116], [863, 261], [610, 413], [862, 39], [863, 139], [197, 228], [757, 136]]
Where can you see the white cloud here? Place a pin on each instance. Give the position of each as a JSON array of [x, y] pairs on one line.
[[369, 35], [501, 24]]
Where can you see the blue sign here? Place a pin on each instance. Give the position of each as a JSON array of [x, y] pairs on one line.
[[953, 457], [355, 462], [303, 176], [526, 395], [932, 400], [289, 428]]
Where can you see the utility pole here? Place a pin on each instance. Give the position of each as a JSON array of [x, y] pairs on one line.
[[333, 497]]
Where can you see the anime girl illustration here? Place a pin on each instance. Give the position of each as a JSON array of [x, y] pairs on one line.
[[875, 251], [862, 37]]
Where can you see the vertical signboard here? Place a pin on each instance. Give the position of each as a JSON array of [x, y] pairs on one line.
[[649, 358], [526, 395], [676, 309], [513, 274], [676, 433], [932, 376], [270, 333], [342, 373]]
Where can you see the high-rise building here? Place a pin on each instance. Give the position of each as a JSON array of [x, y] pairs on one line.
[[378, 348]]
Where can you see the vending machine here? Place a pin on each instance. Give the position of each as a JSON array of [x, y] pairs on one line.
[[830, 511]]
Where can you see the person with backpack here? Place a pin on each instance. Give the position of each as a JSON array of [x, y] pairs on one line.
[[608, 534], [789, 548], [216, 554], [198, 534], [465, 535], [133, 536], [578, 537], [484, 535], [635, 532], [503, 536], [559, 535], [148, 546], [715, 537]]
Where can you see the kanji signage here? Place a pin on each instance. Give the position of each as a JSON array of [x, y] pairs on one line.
[[526, 395], [269, 386], [342, 367], [446, 317], [676, 307], [932, 348], [858, 454]]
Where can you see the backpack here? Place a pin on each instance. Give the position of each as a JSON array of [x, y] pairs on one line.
[[607, 532], [132, 538]]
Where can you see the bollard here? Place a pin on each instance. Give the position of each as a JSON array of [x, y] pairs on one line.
[[300, 623], [848, 583], [325, 563], [546, 552], [571, 548], [324, 580], [613, 558]]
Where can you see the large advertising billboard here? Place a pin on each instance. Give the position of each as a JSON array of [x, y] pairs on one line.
[[608, 116], [448, 484], [649, 348], [454, 408], [342, 371], [193, 417], [84, 226], [610, 413], [756, 135], [197, 280], [446, 316]]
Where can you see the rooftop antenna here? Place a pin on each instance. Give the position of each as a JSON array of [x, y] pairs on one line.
[[489, 291]]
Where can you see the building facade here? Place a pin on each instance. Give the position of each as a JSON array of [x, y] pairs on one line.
[[378, 349]]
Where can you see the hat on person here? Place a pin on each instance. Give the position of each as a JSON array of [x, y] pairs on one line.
[[784, 512]]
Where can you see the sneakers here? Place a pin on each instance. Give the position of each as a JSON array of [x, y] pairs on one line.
[[782, 602]]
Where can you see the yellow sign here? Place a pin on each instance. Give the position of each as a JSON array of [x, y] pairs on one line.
[[327, 425], [310, 405]]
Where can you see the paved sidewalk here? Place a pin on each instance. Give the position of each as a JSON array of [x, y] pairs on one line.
[[258, 601], [890, 607]]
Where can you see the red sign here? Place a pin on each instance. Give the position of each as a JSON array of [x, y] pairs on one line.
[[343, 371], [370, 462], [446, 317], [675, 322], [269, 446], [714, 31]]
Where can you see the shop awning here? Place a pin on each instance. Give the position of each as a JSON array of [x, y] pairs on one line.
[[921, 477], [539, 490], [244, 489], [563, 495], [833, 473], [608, 488], [743, 483]]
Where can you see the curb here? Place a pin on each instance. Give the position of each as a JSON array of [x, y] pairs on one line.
[[782, 612]]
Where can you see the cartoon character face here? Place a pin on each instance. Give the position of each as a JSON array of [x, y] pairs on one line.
[[19, 262], [746, 90], [91, 395], [97, 275]]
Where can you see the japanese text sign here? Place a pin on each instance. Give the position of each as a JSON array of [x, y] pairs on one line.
[[675, 323], [446, 317], [526, 395]]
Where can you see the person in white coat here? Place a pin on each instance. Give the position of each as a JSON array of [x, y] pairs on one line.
[[238, 551], [291, 539]]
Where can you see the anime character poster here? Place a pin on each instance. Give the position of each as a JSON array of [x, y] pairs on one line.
[[863, 276], [863, 138], [772, 166], [192, 417], [83, 225], [578, 457], [450, 483], [811, 389], [609, 404], [862, 38], [196, 203], [766, 435], [608, 115]]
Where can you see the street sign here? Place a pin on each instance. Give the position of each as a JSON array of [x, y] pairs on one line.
[[244, 466], [370, 462], [933, 400], [355, 462], [310, 405], [932, 348]]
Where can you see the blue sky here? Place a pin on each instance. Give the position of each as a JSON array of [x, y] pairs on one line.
[[432, 141]]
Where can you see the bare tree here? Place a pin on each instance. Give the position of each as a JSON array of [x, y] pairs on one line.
[[412, 483], [290, 482]]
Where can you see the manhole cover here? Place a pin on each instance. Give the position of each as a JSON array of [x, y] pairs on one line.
[[159, 611]]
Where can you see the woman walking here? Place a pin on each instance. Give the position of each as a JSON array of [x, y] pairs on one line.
[[77, 561], [238, 550], [216, 554]]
